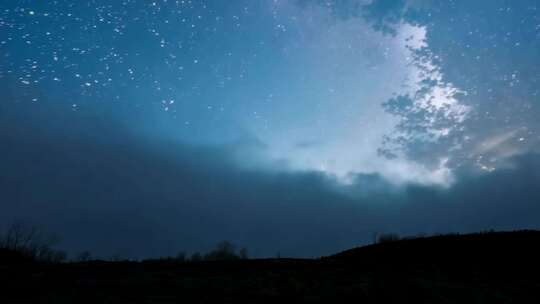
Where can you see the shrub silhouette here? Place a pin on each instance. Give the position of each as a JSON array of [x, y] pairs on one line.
[[388, 237], [243, 254], [84, 256], [32, 243], [224, 251], [181, 257], [196, 257]]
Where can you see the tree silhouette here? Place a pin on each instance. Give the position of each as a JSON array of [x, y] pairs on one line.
[[31, 242], [84, 256], [224, 251]]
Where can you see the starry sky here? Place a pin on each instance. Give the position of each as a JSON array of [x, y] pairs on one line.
[[142, 128]]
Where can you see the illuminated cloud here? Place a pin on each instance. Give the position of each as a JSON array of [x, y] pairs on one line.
[[361, 68]]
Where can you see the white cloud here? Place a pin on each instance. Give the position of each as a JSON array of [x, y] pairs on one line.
[[368, 67]]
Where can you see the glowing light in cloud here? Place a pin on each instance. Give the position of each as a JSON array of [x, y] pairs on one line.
[[376, 67]]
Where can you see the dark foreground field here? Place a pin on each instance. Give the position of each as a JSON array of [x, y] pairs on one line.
[[477, 268]]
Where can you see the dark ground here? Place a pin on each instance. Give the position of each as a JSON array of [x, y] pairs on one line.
[[475, 268]]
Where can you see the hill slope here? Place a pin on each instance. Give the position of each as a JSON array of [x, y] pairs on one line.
[[476, 268]]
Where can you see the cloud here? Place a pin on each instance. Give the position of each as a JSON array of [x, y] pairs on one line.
[[491, 103], [114, 179], [101, 188], [354, 67]]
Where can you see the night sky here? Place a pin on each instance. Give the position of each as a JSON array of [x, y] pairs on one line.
[[143, 128]]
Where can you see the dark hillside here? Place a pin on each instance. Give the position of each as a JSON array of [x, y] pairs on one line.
[[474, 268], [491, 252]]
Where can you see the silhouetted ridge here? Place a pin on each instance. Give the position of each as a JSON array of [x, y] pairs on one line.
[[496, 250], [500, 267]]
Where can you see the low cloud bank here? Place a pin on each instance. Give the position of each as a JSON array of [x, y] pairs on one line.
[[108, 191]]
